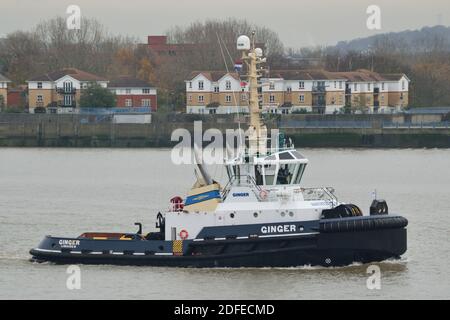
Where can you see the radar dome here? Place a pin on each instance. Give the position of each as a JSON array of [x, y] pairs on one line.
[[243, 43], [259, 52]]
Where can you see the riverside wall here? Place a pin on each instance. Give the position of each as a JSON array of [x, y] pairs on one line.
[[368, 131]]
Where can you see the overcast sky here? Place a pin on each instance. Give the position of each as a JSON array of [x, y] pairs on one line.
[[298, 22]]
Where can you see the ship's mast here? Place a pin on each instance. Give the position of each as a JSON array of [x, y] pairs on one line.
[[253, 58]]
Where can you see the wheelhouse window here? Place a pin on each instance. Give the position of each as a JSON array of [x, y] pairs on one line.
[[269, 174], [285, 168]]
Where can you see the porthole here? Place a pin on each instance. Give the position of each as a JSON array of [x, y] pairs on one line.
[[255, 214], [231, 215], [291, 214], [282, 213]]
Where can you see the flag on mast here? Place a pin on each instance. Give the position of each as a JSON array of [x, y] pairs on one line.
[[238, 66]]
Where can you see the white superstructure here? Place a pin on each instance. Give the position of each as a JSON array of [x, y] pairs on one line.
[[264, 182]]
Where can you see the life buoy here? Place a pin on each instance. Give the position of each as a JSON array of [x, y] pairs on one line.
[[184, 234], [177, 204], [263, 194]]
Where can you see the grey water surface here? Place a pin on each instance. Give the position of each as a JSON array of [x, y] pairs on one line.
[[65, 192]]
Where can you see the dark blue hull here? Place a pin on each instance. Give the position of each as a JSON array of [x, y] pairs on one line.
[[334, 244]]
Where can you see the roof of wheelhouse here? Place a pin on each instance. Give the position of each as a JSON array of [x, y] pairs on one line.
[[283, 157]]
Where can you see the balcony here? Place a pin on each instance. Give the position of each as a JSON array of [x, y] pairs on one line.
[[318, 89], [62, 104], [66, 90]]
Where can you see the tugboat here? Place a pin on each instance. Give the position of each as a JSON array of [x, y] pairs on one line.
[[263, 216]]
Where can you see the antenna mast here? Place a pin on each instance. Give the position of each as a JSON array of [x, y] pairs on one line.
[[253, 57]]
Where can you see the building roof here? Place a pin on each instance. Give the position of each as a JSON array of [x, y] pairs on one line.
[[4, 79], [128, 82], [361, 75], [318, 74], [213, 75], [393, 76], [73, 72]]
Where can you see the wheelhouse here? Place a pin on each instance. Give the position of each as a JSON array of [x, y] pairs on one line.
[[280, 168]]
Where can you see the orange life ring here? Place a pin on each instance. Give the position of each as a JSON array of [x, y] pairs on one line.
[[184, 234]]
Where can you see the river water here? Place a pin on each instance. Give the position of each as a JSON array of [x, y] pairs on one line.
[[65, 192]]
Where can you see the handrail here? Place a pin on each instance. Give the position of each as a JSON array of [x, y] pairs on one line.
[[328, 191], [249, 181]]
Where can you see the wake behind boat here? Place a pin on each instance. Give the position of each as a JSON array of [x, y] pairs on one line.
[[263, 216]]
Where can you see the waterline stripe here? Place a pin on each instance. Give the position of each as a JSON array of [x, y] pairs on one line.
[[266, 236], [288, 235], [46, 250]]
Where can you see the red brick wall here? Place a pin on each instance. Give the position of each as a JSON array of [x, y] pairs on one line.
[[15, 99], [137, 100]]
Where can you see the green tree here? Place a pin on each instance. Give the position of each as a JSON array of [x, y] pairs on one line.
[[95, 96]]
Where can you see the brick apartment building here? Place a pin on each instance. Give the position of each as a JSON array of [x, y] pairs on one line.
[[60, 91], [4, 89], [287, 91], [131, 92]]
